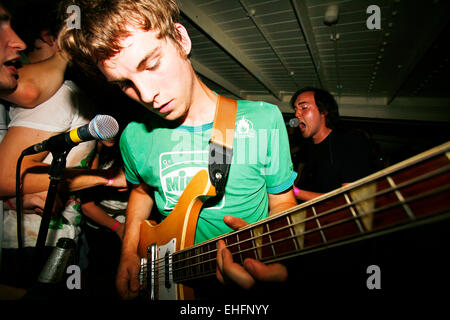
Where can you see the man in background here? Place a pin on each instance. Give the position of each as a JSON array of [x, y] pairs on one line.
[[334, 157]]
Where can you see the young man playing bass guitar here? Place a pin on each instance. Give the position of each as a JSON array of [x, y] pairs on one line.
[[140, 46]]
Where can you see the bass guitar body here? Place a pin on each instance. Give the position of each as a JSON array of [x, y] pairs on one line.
[[158, 242]]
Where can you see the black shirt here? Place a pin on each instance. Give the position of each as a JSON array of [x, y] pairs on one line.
[[342, 157]]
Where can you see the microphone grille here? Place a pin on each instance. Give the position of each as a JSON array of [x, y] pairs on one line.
[[103, 127]]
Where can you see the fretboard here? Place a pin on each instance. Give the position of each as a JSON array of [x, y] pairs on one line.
[[412, 192]]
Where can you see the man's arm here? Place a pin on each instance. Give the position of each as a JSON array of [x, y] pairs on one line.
[[37, 82], [281, 201], [305, 195], [253, 270], [139, 207]]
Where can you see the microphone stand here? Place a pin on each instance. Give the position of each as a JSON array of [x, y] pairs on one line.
[[56, 173]]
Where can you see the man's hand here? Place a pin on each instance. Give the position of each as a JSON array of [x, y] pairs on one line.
[[34, 203], [127, 279], [119, 180], [252, 271], [140, 205]]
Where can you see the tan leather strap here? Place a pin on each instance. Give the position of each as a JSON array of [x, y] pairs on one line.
[[221, 143], [224, 122]]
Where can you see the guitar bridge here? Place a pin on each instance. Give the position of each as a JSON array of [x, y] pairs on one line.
[[148, 274], [156, 274]]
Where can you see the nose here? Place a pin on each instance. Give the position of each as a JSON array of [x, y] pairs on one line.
[[146, 91], [15, 42], [298, 113]]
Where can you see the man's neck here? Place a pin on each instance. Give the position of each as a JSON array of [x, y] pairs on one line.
[[203, 105], [321, 135]]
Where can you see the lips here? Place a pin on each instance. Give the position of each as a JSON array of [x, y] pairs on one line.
[[165, 107], [12, 65]]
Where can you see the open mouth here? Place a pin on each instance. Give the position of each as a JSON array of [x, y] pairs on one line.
[[165, 107], [12, 66], [13, 63]]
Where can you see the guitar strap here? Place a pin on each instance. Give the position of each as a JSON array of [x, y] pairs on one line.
[[221, 142]]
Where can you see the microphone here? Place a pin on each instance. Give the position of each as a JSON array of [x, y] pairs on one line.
[[102, 127], [294, 122]]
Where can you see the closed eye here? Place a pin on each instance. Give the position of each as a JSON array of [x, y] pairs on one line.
[[153, 66], [124, 84]]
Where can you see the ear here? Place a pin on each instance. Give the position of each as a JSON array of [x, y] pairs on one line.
[[48, 38], [184, 40], [323, 116]]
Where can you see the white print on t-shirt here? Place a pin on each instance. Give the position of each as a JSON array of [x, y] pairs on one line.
[[176, 171], [244, 128]]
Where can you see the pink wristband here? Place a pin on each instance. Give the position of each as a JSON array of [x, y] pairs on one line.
[[296, 191], [110, 182], [115, 226]]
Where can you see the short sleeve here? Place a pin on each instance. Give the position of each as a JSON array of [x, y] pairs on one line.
[[131, 173], [54, 115]]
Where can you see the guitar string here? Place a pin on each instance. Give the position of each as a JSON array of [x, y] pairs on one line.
[[430, 193], [254, 248], [211, 270], [379, 178], [372, 196], [191, 266], [321, 215]]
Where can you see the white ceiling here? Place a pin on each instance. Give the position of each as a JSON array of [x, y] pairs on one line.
[[266, 50]]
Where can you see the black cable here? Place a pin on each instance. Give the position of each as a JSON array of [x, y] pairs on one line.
[[19, 203]]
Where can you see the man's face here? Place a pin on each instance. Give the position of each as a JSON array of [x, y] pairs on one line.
[[10, 45], [306, 111], [153, 72]]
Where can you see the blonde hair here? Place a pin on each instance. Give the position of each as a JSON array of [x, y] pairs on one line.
[[104, 23]]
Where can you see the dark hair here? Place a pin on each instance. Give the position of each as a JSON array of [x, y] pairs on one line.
[[33, 17], [325, 102]]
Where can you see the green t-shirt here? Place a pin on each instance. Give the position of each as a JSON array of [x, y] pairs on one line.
[[167, 157]]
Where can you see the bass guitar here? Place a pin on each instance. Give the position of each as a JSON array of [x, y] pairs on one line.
[[410, 193]]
